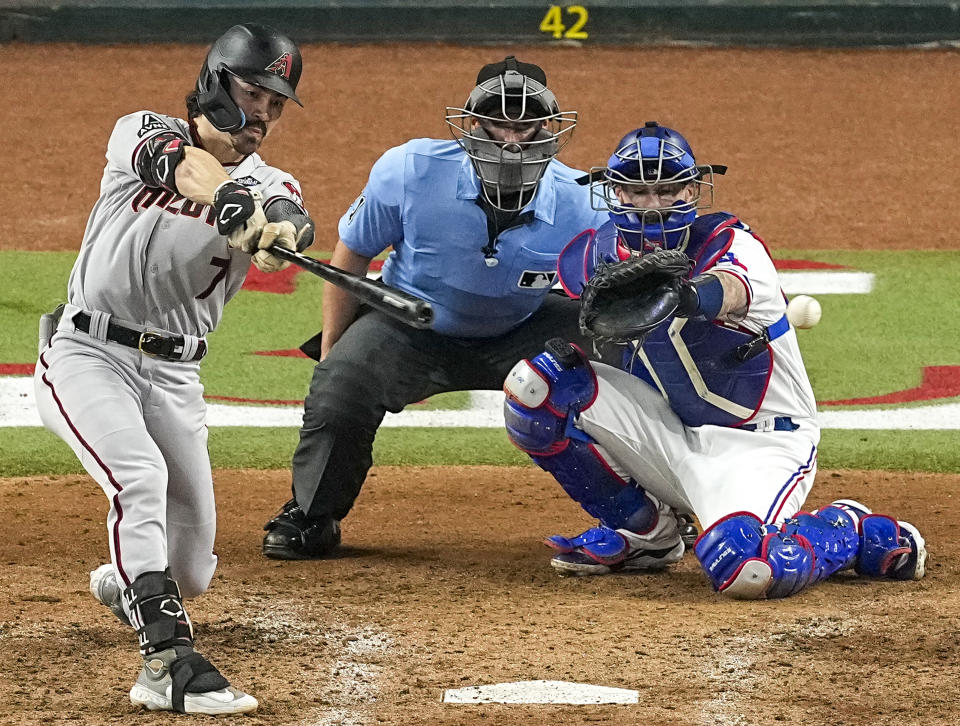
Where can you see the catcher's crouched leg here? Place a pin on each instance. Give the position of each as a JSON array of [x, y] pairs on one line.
[[544, 397], [174, 676]]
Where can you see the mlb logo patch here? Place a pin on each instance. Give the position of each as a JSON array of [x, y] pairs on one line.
[[536, 279]]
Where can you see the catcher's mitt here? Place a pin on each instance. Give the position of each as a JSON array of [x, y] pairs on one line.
[[626, 300]]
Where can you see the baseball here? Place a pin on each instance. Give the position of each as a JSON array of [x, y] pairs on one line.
[[803, 311]]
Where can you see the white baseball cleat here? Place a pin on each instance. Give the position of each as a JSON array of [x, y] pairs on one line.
[[154, 687], [104, 587], [912, 566]]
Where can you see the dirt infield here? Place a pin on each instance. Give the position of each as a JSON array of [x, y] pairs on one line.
[[827, 149], [443, 582]]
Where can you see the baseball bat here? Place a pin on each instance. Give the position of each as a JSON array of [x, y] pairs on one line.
[[410, 309]]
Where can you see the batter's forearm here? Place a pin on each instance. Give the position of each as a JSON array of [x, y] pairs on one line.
[[198, 175]]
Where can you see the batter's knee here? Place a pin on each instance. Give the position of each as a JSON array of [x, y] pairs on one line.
[[193, 576]]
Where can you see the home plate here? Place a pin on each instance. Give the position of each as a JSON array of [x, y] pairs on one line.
[[540, 692]]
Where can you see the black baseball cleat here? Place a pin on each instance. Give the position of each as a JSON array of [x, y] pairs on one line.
[[291, 535], [688, 530]]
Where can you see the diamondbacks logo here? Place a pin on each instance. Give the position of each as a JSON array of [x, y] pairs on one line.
[[150, 123], [281, 66], [536, 280]]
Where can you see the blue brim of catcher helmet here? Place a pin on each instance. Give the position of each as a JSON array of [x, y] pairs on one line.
[[576, 265]]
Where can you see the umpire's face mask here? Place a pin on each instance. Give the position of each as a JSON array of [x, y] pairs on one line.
[[509, 169]]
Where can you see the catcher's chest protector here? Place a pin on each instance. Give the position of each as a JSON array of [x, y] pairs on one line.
[[694, 363]]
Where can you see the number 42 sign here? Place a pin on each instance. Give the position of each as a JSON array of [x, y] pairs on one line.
[[553, 22]]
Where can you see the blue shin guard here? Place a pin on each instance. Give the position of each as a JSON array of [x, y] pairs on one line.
[[544, 397], [747, 559]]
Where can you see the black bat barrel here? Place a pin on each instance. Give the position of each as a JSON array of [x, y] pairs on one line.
[[409, 309]]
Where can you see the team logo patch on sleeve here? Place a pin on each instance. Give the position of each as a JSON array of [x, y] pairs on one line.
[[150, 123], [536, 279], [248, 181], [281, 66]]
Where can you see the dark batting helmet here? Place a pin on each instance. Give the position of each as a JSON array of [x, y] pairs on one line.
[[255, 53]]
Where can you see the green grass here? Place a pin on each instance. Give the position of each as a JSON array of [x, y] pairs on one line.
[[866, 345], [35, 451]]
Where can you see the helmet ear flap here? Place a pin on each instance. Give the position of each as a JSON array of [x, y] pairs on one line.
[[215, 102]]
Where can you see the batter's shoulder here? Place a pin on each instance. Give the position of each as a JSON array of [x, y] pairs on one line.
[[147, 123]]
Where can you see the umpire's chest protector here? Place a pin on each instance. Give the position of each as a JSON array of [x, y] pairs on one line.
[[695, 363], [479, 286]]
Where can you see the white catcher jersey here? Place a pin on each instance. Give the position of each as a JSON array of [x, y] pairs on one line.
[[152, 258], [788, 390]]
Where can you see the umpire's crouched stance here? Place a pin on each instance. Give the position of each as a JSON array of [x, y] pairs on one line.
[[476, 225]]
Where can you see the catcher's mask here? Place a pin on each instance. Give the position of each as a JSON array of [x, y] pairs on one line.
[[515, 93], [255, 53], [653, 160]]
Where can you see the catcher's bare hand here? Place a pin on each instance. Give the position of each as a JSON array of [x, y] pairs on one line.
[[626, 300]]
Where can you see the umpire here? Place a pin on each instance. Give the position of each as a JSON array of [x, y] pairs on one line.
[[476, 225]]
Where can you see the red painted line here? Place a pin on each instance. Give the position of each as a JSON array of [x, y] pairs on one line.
[[937, 382], [288, 353], [16, 369]]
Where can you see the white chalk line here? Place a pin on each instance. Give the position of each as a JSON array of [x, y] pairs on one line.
[[17, 409]]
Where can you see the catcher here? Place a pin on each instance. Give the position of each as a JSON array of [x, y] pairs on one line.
[[711, 412]]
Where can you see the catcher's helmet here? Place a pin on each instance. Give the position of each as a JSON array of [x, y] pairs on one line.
[[254, 53], [511, 91], [651, 157]]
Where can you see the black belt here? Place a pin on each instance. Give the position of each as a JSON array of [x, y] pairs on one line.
[[151, 343], [780, 423]]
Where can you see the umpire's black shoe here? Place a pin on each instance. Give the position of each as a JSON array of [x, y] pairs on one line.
[[291, 535]]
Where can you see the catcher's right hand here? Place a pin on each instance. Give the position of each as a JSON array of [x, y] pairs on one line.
[[626, 300]]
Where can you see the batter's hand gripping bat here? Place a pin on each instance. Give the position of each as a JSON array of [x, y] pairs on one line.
[[403, 306]]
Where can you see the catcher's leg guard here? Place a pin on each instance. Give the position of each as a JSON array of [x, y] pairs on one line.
[[174, 676], [544, 397], [747, 559]]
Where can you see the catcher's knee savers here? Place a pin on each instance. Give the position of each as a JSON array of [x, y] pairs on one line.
[[544, 397], [747, 559]]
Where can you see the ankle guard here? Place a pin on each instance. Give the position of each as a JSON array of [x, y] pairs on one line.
[[157, 613], [880, 546]]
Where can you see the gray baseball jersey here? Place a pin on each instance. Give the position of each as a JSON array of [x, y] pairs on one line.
[[150, 260], [151, 257]]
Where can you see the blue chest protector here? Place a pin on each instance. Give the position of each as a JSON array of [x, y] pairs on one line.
[[710, 374]]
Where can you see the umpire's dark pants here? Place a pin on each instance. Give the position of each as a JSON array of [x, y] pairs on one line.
[[381, 365]]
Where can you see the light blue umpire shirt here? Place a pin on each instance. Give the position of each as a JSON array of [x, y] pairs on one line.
[[421, 199]]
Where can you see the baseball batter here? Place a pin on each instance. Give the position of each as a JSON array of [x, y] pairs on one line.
[[711, 412], [184, 207]]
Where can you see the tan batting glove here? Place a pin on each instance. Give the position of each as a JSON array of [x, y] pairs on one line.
[[281, 234]]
